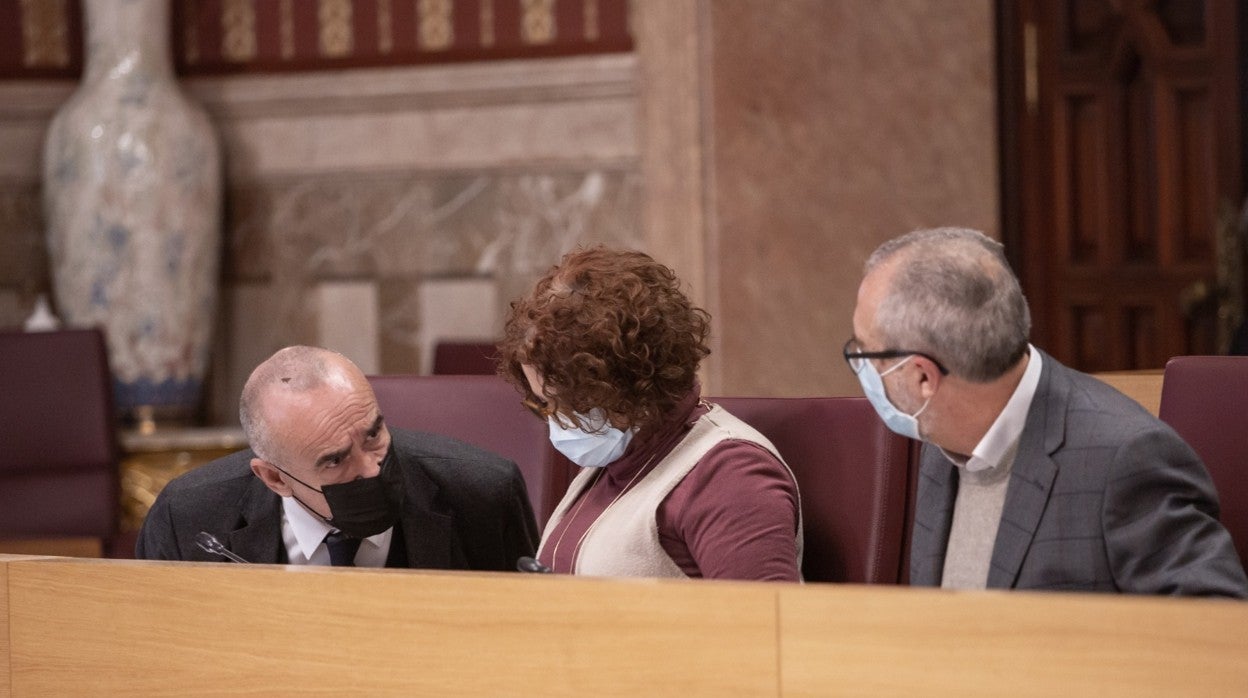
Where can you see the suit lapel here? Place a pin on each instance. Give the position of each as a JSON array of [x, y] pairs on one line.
[[259, 535], [428, 531], [937, 489], [1032, 475]]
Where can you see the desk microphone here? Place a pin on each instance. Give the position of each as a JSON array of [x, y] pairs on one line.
[[528, 564], [209, 543]]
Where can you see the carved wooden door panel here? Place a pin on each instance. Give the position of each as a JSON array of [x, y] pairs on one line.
[[1121, 162]]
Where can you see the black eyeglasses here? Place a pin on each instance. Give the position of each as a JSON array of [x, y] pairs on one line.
[[857, 359]]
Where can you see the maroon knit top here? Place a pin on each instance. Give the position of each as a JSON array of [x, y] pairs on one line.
[[734, 516]]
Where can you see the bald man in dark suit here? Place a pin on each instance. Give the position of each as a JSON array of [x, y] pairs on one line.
[[325, 473]]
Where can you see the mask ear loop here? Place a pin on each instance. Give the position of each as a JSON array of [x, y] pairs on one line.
[[307, 506], [921, 409], [292, 477], [898, 365]]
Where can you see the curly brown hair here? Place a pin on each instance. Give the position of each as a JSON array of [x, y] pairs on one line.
[[606, 329]]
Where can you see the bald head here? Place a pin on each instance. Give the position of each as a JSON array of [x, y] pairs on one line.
[[291, 371]]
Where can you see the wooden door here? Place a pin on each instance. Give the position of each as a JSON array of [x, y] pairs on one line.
[[1121, 175]]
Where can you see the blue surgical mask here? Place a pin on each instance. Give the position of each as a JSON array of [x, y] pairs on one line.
[[873, 386], [590, 449]]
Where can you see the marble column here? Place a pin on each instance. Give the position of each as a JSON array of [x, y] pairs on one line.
[[781, 142]]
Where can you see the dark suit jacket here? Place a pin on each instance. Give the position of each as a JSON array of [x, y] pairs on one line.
[[465, 508], [1102, 497]]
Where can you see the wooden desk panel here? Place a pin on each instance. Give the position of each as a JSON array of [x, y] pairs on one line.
[[106, 628], [66, 546], [5, 559], [4, 628], [893, 641], [122, 628]]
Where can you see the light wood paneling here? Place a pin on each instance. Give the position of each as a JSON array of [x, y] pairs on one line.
[[5, 692], [1142, 386], [887, 641], [105, 628], [70, 547]]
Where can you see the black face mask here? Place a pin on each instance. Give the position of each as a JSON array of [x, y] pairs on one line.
[[364, 507]]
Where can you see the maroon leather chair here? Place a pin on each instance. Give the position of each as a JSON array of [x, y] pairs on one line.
[[59, 451], [1205, 399], [464, 359], [484, 411], [853, 474]]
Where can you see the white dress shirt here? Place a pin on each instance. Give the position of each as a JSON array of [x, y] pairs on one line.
[[982, 486], [304, 533]]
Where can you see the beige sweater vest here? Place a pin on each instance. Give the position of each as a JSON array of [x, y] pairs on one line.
[[624, 541]]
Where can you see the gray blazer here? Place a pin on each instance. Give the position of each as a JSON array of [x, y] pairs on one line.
[[1102, 497], [465, 508]]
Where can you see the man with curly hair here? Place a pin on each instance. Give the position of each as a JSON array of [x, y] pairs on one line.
[[606, 349]]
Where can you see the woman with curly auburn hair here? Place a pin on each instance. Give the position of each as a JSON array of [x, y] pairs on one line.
[[606, 349]]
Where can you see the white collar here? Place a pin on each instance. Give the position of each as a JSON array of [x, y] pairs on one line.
[[310, 530], [1003, 435]]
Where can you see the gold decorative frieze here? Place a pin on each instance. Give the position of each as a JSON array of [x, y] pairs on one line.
[[336, 29], [190, 32], [238, 30], [591, 20], [435, 19], [334, 17], [255, 36], [385, 27], [286, 29], [487, 22], [630, 17], [45, 33], [537, 21]]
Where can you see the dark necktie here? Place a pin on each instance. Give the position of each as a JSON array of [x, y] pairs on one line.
[[342, 549]]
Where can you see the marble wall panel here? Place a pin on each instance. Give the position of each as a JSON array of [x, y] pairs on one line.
[[476, 137], [399, 342], [347, 321], [287, 237], [406, 224], [836, 125], [514, 114]]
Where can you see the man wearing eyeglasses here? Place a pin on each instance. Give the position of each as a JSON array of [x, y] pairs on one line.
[[1033, 475], [326, 482]]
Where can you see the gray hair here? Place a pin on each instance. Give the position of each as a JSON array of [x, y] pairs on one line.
[[953, 296], [294, 369]]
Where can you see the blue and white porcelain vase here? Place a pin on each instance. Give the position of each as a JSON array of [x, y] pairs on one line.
[[132, 201]]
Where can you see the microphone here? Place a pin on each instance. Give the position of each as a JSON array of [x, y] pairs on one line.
[[529, 564], [209, 543]]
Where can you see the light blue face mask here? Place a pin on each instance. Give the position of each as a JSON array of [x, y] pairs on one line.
[[590, 449], [873, 386]]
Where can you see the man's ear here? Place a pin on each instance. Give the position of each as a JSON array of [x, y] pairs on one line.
[[929, 376], [270, 476]]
